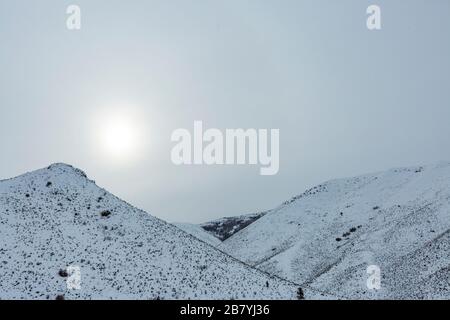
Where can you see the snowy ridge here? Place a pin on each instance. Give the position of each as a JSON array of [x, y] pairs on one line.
[[326, 237], [54, 218]]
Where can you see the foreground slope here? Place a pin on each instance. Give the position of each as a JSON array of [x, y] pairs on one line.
[[326, 238], [55, 218]]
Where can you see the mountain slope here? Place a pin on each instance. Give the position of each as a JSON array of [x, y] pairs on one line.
[[56, 218], [216, 231], [198, 232], [225, 227], [325, 238]]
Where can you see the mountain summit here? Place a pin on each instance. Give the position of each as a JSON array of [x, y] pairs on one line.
[[55, 220]]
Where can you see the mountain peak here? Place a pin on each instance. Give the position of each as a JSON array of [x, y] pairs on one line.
[[54, 220], [60, 167]]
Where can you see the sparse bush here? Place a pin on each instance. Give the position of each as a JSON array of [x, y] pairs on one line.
[[105, 213], [63, 273], [300, 294]]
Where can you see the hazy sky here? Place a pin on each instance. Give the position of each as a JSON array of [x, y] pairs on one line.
[[346, 100]]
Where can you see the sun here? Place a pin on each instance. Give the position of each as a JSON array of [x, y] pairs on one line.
[[119, 133], [120, 136]]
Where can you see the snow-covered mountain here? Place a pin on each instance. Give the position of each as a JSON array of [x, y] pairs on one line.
[[323, 240], [225, 227], [216, 231], [55, 220], [326, 237]]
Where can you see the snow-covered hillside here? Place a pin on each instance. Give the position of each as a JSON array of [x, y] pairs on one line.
[[225, 227], [325, 238], [216, 231], [198, 232], [55, 218]]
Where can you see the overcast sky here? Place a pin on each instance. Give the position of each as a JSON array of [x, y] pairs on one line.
[[346, 100]]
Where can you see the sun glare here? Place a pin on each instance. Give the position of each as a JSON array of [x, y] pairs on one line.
[[120, 136]]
